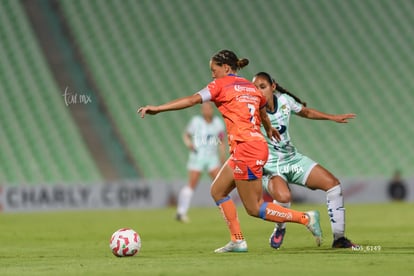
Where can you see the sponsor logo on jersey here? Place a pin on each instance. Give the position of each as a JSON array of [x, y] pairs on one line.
[[248, 99], [240, 88], [281, 129], [206, 140], [290, 168], [256, 134]]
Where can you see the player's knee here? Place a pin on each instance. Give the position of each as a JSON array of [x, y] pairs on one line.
[[213, 193], [332, 182], [280, 195], [216, 194], [284, 197]]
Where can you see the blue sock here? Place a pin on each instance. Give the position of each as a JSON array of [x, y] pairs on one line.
[[262, 211]]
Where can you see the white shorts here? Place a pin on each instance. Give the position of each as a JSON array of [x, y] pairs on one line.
[[198, 162]]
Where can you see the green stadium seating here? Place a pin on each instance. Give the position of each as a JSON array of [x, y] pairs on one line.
[[39, 142], [339, 56]]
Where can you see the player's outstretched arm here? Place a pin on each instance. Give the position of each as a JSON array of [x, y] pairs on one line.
[[314, 114], [177, 104]]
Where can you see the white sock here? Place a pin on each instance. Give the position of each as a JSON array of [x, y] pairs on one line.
[[184, 199], [281, 225], [336, 211]]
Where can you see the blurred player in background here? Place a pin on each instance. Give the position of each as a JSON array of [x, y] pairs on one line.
[[204, 138], [286, 165], [243, 109], [396, 188]]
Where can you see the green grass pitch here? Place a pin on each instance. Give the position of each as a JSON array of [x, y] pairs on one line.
[[77, 243]]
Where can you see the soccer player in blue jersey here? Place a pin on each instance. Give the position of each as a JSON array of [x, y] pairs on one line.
[[204, 137], [286, 165]]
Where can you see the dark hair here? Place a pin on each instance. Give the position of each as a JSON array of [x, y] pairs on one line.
[[228, 57], [279, 87]]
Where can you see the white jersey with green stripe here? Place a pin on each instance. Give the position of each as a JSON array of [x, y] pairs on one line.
[[283, 149]]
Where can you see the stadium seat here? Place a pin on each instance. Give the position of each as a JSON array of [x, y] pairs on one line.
[[340, 57], [40, 143], [149, 52]]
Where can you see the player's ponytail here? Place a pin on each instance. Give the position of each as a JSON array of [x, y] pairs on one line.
[[283, 90], [279, 88], [242, 63]]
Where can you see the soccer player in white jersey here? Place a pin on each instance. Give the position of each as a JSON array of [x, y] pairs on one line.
[[286, 165], [204, 138]]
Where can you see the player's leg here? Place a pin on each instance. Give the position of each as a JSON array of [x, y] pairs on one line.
[[185, 195], [250, 192], [213, 166], [213, 173], [321, 178], [247, 165], [220, 189], [278, 189], [195, 166]]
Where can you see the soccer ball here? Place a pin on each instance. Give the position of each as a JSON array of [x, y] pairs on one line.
[[125, 242]]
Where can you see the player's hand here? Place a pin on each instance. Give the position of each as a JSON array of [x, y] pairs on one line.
[[149, 109], [343, 118], [191, 147], [273, 134]]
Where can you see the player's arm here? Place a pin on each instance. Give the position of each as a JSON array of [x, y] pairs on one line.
[[314, 114], [271, 132], [177, 104], [188, 141]]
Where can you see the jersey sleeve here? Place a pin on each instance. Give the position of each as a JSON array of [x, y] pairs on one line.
[[205, 95], [215, 88], [294, 105], [210, 92]]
